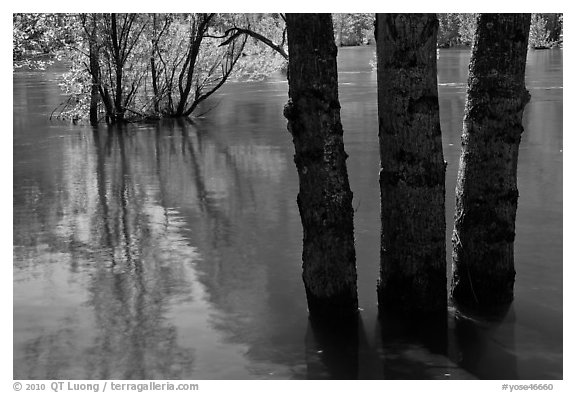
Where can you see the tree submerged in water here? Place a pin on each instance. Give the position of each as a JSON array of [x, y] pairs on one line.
[[131, 67]]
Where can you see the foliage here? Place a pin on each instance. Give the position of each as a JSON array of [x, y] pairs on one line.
[[560, 34], [539, 35], [76, 85], [456, 29], [38, 38], [134, 66], [353, 29], [448, 30], [258, 60], [467, 28]]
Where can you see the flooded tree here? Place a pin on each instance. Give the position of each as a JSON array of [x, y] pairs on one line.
[[324, 198], [91, 30], [133, 67], [486, 189], [413, 249]]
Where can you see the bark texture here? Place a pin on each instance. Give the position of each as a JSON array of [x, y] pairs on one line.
[[412, 173], [486, 189], [324, 198], [95, 75]]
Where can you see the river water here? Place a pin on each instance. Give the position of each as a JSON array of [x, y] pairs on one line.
[[173, 250]]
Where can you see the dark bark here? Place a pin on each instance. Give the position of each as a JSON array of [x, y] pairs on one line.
[[486, 190], [121, 36], [324, 199], [185, 79], [237, 32], [227, 67], [413, 247], [119, 68], [154, 75], [95, 73]]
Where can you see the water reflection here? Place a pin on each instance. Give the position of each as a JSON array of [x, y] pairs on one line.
[[173, 250], [332, 352], [415, 348], [485, 344], [124, 208]]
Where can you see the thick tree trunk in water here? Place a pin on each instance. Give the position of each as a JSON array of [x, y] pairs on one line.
[[413, 247], [486, 190], [325, 199]]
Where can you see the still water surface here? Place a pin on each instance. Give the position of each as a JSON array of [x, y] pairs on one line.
[[173, 250]]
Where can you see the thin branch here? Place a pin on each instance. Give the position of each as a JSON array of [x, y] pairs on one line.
[[226, 71], [237, 32]]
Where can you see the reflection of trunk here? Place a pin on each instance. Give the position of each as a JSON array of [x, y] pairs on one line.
[[141, 314], [208, 205], [414, 350], [124, 197], [101, 186], [332, 353], [325, 199], [413, 247], [486, 190]]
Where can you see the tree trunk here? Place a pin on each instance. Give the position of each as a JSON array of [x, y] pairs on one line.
[[324, 199], [95, 73], [486, 190], [119, 68], [412, 173]]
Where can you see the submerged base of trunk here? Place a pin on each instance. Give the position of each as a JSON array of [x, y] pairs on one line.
[[413, 295], [341, 306]]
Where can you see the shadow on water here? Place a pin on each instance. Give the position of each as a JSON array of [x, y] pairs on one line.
[[413, 347], [332, 349], [484, 343], [443, 346], [455, 345]]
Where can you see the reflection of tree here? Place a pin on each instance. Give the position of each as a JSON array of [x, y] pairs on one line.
[[135, 269], [129, 205], [237, 207], [131, 299]]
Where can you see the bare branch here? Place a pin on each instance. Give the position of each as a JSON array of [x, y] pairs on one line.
[[226, 71], [237, 32]]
